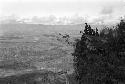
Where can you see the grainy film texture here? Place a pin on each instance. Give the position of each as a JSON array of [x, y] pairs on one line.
[[62, 42]]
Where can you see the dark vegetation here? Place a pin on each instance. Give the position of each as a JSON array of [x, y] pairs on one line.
[[99, 58]]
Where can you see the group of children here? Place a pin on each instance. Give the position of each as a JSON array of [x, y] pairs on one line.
[[89, 31]]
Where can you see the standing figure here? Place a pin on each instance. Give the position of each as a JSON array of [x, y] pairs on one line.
[[97, 34], [89, 30], [93, 32], [86, 28]]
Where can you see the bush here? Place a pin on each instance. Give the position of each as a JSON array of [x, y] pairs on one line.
[[101, 59]]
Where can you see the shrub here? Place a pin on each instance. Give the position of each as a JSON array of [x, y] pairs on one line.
[[101, 59]]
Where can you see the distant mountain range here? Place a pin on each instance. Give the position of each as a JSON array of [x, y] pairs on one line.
[[53, 20], [50, 20]]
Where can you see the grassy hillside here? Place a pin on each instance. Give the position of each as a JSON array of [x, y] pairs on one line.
[[27, 49]]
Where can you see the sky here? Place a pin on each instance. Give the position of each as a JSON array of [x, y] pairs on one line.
[[95, 9]]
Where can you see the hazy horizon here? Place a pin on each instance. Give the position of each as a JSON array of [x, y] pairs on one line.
[[93, 10]]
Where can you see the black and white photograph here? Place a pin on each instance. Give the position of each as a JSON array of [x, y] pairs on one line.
[[62, 41]]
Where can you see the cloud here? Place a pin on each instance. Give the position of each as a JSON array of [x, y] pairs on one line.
[[107, 10]]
